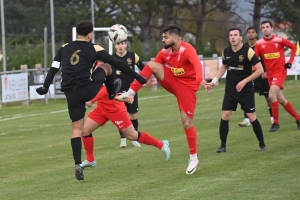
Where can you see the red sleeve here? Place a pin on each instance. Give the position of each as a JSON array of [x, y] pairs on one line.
[[195, 61], [159, 58], [101, 94], [292, 46], [257, 52]]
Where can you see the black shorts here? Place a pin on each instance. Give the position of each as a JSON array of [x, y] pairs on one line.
[[77, 97], [134, 107], [245, 99], [261, 86]]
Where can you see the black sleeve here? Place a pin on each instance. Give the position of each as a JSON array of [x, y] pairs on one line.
[[105, 57], [140, 65], [50, 76]]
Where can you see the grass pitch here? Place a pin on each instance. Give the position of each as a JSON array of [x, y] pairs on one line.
[[37, 160]]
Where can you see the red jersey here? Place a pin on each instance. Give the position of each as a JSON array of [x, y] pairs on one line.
[[105, 104], [184, 64], [271, 52]]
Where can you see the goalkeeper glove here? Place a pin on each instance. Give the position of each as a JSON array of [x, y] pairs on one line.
[[42, 90], [288, 65]]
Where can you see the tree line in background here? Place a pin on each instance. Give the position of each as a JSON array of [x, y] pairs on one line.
[[204, 23]]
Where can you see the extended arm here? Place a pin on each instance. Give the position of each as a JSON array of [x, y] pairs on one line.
[[118, 64]]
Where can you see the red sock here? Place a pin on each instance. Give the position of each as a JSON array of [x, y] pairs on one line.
[[146, 72], [88, 143], [289, 108], [191, 137], [145, 138], [275, 111]]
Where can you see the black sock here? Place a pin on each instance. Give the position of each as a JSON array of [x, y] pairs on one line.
[[135, 124], [258, 132], [270, 111], [109, 83], [76, 148], [245, 115], [224, 129], [139, 134], [121, 135]]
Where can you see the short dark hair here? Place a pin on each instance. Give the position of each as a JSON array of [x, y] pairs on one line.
[[84, 28], [236, 29], [172, 29], [251, 28], [267, 21]]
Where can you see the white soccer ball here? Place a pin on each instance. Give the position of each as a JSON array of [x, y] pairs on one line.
[[117, 33]]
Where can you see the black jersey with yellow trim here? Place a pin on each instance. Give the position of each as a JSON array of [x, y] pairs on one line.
[[239, 65], [76, 60], [132, 60], [252, 46]]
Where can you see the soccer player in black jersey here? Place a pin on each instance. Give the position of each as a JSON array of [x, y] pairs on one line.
[[81, 80], [261, 85], [132, 60], [238, 60]]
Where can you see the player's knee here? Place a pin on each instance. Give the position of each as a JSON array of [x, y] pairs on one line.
[[107, 68], [154, 66], [226, 115], [272, 97], [187, 125]]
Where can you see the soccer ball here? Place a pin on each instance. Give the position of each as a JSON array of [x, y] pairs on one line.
[[117, 33]]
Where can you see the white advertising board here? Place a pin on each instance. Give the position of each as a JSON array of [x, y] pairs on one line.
[[34, 95], [14, 87]]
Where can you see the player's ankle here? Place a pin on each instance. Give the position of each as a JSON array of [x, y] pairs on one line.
[[131, 92]]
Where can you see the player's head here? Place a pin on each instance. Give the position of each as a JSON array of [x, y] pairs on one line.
[[171, 34], [266, 28], [251, 33], [235, 36], [85, 29], [121, 47]]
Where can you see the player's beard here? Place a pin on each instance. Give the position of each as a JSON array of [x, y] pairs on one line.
[[166, 46]]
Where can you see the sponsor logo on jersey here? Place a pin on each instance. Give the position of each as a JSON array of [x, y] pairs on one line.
[[272, 55], [239, 67], [177, 71], [118, 72]]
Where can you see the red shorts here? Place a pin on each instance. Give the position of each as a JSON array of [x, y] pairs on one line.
[[119, 118], [277, 80], [186, 97]]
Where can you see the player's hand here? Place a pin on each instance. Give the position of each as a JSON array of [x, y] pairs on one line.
[[42, 90], [288, 65], [141, 79], [89, 103], [209, 86], [264, 75], [240, 86]]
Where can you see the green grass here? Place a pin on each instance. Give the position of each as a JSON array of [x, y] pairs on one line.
[[37, 161]]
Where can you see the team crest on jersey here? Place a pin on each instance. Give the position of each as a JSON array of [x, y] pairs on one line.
[[241, 58], [129, 61]]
